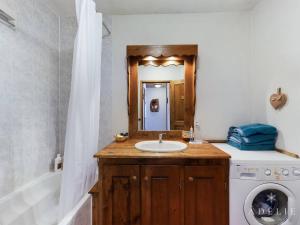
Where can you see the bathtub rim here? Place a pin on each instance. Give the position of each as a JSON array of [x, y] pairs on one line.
[[28, 185], [70, 215]]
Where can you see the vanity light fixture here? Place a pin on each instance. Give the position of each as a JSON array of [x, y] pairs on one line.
[[172, 62], [172, 58], [149, 58], [157, 85]]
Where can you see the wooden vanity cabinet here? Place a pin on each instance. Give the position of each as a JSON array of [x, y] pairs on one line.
[[165, 194], [160, 191], [121, 195], [205, 195]]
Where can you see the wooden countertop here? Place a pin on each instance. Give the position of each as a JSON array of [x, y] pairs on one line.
[[127, 150]]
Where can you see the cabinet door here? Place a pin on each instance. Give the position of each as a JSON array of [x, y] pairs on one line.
[[160, 195], [121, 195], [205, 196]]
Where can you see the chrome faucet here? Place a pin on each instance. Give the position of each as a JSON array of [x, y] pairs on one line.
[[160, 137]]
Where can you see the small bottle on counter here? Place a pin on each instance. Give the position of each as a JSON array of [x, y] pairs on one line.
[[58, 163], [191, 134]]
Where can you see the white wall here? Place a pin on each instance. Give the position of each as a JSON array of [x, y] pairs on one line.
[[223, 92], [276, 54]]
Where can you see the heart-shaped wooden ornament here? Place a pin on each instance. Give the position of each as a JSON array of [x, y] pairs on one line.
[[278, 100]]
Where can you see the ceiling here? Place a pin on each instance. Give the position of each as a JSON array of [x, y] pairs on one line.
[[128, 7]]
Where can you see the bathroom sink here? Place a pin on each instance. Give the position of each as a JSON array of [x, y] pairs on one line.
[[165, 146]]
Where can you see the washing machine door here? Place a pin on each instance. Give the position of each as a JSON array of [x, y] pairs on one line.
[[270, 204]]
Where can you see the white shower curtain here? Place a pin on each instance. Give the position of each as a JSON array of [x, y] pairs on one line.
[[81, 143]]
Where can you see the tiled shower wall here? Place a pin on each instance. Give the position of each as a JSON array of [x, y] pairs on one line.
[[68, 27], [106, 133], [29, 93], [68, 32], [35, 76]]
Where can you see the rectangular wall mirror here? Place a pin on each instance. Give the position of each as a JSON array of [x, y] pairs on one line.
[[161, 89]]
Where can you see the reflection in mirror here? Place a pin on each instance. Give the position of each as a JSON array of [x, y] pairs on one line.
[[161, 97]]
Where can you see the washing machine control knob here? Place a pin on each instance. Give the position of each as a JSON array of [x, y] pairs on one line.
[[285, 172], [296, 172], [268, 172]]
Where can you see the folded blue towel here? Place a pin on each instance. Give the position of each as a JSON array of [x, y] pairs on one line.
[[239, 141], [252, 147], [253, 129], [254, 139]]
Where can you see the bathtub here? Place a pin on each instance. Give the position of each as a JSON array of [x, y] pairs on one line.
[[36, 203]]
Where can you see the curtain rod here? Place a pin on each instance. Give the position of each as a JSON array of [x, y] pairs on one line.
[[108, 31], [7, 19]]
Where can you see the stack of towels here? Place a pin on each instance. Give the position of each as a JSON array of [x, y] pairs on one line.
[[253, 137]]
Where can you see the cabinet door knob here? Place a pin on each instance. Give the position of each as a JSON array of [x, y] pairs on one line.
[[191, 179], [146, 178], [134, 178]]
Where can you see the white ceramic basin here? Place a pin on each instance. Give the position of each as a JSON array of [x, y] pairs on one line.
[[165, 146]]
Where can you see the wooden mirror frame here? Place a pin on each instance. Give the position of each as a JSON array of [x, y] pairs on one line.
[[136, 56]]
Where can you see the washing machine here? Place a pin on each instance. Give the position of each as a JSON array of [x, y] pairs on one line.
[[264, 187]]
